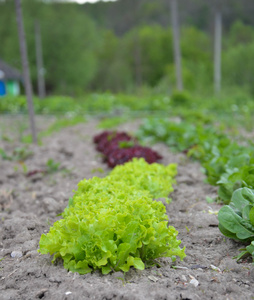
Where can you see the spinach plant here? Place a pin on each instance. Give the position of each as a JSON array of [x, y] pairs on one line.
[[236, 220]]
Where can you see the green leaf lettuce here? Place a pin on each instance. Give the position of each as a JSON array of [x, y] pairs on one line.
[[113, 223]]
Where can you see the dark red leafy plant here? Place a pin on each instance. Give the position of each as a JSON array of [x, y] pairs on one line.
[[119, 147]]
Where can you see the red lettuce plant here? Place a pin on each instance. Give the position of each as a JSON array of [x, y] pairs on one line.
[[119, 147]]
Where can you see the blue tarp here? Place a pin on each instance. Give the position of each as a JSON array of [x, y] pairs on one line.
[[2, 88]]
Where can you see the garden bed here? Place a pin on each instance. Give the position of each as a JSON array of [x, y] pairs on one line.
[[30, 204]]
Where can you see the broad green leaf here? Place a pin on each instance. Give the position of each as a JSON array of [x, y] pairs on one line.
[[248, 194], [243, 197], [226, 232], [233, 223], [246, 212]]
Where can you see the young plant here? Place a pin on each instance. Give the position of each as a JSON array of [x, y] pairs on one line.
[[52, 166], [19, 154], [236, 220]]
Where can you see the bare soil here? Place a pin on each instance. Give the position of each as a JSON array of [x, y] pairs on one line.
[[29, 206]]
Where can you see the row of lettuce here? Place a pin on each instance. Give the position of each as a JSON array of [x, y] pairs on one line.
[[134, 231], [228, 163]]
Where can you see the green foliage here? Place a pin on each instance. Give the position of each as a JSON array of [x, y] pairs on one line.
[[112, 122], [155, 178], [21, 154], [11, 104], [18, 154], [61, 123], [71, 64], [240, 33], [89, 56], [241, 175], [56, 105], [226, 164], [113, 73], [238, 66], [4, 155], [52, 166], [180, 98], [236, 220], [118, 108], [196, 59], [178, 136], [113, 223]]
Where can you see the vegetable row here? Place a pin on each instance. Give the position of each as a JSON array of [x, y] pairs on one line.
[[113, 223], [226, 164], [119, 147]]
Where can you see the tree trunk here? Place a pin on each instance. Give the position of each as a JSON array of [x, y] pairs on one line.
[[217, 51], [176, 44], [25, 65], [137, 46], [39, 62], [137, 60]]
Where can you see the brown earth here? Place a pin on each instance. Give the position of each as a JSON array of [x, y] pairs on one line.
[[29, 205]]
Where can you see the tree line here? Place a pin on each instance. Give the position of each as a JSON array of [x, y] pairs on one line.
[[84, 51]]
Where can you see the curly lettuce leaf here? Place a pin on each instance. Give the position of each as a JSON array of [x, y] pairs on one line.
[[155, 178], [113, 223]]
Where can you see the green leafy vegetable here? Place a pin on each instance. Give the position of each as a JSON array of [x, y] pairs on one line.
[[113, 223], [155, 178], [226, 163], [236, 220]]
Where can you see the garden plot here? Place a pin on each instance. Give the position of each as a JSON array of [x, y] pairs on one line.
[[30, 204]]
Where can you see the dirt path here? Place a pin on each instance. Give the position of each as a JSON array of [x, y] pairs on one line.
[[29, 205]]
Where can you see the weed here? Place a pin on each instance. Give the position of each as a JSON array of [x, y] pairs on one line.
[[52, 166], [4, 154], [99, 170], [19, 154]]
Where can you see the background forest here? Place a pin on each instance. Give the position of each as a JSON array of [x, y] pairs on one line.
[[125, 46]]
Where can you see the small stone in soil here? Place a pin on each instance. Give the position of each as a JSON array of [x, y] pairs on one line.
[[16, 254]]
